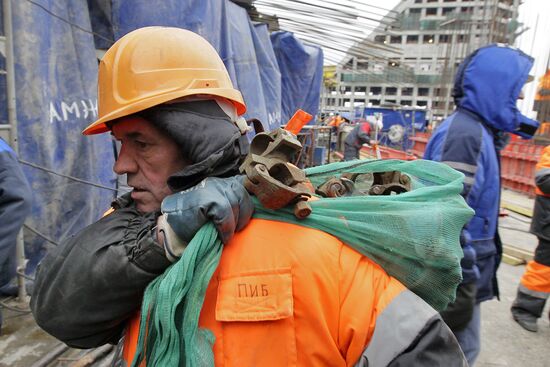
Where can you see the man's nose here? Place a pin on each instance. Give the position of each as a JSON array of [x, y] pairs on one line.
[[125, 162]]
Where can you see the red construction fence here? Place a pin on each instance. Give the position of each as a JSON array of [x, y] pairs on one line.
[[518, 161]]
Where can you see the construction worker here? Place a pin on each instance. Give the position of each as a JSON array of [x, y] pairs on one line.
[[15, 205], [336, 121], [166, 95], [487, 85], [361, 134], [534, 286]]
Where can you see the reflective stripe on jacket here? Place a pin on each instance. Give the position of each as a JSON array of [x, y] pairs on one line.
[[286, 295]]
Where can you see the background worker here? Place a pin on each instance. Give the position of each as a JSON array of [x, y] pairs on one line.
[[361, 134], [355, 139], [15, 204], [534, 286], [336, 121], [328, 304], [487, 85]]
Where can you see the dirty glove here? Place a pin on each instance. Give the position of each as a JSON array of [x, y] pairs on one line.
[[224, 201]]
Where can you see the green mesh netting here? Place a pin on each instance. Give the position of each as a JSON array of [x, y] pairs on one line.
[[414, 236]]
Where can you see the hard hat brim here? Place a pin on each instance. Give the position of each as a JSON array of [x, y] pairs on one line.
[[100, 126]]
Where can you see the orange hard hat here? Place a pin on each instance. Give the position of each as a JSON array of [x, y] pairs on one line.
[[155, 65]]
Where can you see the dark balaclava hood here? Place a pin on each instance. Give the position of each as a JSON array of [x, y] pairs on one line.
[[206, 136]]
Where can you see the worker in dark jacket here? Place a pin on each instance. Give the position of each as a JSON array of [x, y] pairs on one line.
[[534, 286], [282, 294], [356, 138], [15, 204], [487, 85]]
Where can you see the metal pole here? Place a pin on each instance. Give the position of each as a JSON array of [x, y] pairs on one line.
[[12, 121], [52, 355]]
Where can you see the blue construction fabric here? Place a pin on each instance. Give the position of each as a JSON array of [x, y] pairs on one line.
[[248, 56], [56, 73], [406, 117], [100, 17], [411, 121], [301, 67], [270, 75], [486, 89]]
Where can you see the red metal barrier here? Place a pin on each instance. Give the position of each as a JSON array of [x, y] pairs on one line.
[[420, 140], [518, 161], [390, 153], [387, 153], [517, 164]]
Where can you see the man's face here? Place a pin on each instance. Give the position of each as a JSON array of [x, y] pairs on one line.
[[148, 157]]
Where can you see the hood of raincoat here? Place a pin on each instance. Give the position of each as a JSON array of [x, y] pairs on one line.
[[489, 82]]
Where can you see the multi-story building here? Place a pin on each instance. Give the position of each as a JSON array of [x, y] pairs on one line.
[[431, 38]]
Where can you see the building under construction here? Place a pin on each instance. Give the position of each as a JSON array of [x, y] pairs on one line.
[[428, 40]]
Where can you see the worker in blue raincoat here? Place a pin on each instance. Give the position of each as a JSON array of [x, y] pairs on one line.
[[487, 86], [15, 204]]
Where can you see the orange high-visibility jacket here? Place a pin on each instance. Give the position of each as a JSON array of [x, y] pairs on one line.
[[536, 279], [286, 295], [542, 170]]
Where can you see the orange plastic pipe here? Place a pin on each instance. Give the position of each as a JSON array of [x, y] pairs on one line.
[[296, 122]]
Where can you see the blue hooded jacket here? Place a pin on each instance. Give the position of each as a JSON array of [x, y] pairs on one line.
[[487, 86], [15, 204]]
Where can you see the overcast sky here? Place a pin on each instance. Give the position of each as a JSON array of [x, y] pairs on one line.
[[535, 42]]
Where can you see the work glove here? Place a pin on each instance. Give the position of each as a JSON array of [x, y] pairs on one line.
[[458, 314], [224, 201]]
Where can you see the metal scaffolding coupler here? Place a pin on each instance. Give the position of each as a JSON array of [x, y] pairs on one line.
[[375, 183], [269, 175]]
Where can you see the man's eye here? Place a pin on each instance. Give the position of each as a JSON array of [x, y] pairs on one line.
[[141, 144]]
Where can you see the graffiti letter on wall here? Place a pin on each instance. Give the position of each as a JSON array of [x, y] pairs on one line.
[[53, 114], [89, 107], [72, 108]]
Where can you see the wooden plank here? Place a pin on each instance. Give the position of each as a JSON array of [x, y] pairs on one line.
[[517, 252], [511, 260], [517, 209]]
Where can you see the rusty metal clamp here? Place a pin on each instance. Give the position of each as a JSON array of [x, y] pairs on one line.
[[336, 187], [373, 183], [386, 183], [270, 176]]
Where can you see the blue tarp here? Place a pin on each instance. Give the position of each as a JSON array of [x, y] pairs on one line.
[[100, 16], [270, 75], [301, 67], [56, 72], [410, 119], [403, 116]]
